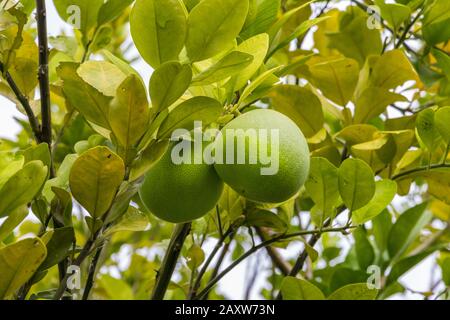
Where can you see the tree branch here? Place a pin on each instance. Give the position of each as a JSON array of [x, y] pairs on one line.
[[274, 255], [34, 123], [419, 169], [264, 244], [208, 261], [44, 83], [170, 260], [91, 275]]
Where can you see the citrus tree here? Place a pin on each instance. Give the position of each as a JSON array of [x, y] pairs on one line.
[[92, 204]]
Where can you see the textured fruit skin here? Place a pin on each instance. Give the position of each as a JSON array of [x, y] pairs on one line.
[[180, 193], [294, 159]]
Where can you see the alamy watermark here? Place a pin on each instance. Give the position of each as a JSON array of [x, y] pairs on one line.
[[250, 146]]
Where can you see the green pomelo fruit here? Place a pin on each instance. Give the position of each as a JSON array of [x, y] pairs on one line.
[[289, 149], [180, 193]]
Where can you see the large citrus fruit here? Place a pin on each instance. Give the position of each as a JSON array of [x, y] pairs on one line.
[[285, 143], [180, 193]]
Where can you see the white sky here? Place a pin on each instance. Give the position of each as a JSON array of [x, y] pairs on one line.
[[233, 285]]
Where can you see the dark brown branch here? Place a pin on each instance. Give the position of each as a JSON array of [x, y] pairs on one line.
[[170, 260], [274, 255], [44, 83]]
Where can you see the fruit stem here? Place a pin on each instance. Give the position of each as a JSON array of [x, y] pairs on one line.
[[169, 262]]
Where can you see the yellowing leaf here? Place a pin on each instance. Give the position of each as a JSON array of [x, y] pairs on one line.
[[93, 105], [426, 129], [18, 262], [372, 102], [22, 187], [95, 178], [129, 115], [103, 76], [335, 77], [354, 39], [442, 123], [301, 105], [393, 69], [256, 46]]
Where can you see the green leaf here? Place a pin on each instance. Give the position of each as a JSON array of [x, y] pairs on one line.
[[129, 114], [267, 219], [298, 289], [94, 179], [406, 264], [262, 14], [441, 121], [148, 157], [259, 80], [101, 75], [257, 47], [212, 27], [18, 262], [158, 28], [356, 183], [195, 257], [427, 130], [183, 116], [168, 83], [355, 291], [115, 289], [385, 191], [372, 102], [301, 105], [382, 225], [228, 66], [298, 32], [435, 22], [407, 228], [22, 187], [133, 220], [84, 10], [322, 186], [40, 152], [364, 250], [343, 276], [394, 13], [93, 105], [8, 169], [111, 10], [13, 220], [444, 263], [61, 241]]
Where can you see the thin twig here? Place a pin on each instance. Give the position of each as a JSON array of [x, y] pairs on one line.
[[34, 123], [419, 169], [264, 244], [208, 261], [274, 255]]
